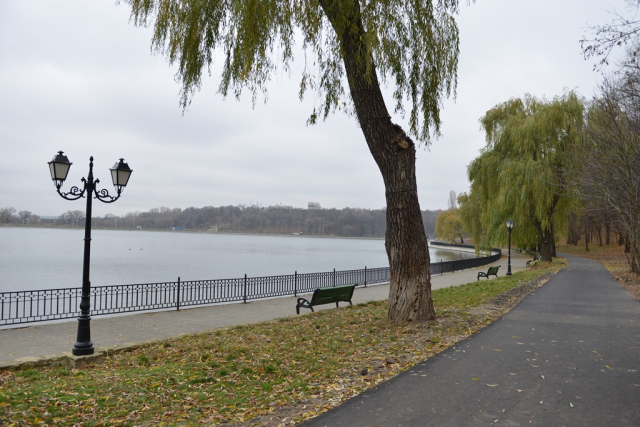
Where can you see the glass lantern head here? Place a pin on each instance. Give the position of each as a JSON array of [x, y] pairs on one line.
[[120, 173], [59, 168]]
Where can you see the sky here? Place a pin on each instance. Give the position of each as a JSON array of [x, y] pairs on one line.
[[78, 76]]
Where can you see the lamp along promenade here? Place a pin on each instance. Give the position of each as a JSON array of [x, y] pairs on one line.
[[120, 173]]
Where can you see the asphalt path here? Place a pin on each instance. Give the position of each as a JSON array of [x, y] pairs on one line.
[[568, 355]]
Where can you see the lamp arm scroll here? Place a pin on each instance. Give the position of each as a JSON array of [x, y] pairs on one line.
[[104, 196], [75, 193]]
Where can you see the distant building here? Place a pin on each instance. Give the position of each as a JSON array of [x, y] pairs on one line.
[[314, 206]]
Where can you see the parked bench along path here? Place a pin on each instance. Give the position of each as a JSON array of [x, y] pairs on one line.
[[327, 296], [493, 271]]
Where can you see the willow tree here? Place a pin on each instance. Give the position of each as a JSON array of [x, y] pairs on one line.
[[449, 226], [356, 44], [521, 173]]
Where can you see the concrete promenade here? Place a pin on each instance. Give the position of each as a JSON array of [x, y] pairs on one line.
[[34, 342], [568, 355]]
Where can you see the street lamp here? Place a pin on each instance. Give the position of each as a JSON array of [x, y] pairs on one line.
[[120, 173], [509, 227]]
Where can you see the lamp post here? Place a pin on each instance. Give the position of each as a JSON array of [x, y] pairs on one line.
[[509, 227], [120, 173]]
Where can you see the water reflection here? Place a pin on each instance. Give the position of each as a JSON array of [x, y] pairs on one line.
[[41, 258]]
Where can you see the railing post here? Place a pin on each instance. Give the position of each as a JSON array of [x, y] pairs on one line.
[[334, 277], [245, 289], [295, 285], [178, 296], [441, 268], [365, 276]]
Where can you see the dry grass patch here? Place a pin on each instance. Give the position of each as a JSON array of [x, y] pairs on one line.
[[272, 373]]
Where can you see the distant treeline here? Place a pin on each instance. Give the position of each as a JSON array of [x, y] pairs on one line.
[[348, 222]]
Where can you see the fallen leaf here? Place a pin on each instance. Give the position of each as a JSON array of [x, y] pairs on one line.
[[519, 391], [571, 404], [476, 379], [492, 385], [497, 349]]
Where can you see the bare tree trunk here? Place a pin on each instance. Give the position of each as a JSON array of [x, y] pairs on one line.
[[607, 228], [405, 242], [627, 245], [634, 250], [574, 236], [586, 234]]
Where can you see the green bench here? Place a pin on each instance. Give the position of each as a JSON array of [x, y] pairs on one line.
[[327, 296], [493, 271]]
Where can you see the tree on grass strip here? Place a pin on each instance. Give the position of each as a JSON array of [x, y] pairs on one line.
[[520, 174], [411, 44]]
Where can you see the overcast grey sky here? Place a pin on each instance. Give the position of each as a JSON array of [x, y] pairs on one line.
[[76, 76]]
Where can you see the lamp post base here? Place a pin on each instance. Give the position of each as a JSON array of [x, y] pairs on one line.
[[83, 346], [82, 349]]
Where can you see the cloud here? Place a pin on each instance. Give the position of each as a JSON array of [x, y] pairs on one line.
[[78, 76]]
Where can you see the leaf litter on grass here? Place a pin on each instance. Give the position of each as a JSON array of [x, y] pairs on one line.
[[271, 373]]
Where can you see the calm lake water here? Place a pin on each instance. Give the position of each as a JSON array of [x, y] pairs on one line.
[[40, 258]]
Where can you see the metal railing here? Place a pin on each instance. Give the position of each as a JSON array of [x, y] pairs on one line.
[[54, 304]]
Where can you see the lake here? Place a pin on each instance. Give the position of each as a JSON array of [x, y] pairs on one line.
[[48, 258]]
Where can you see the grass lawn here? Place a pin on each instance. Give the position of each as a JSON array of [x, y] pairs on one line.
[[271, 373]]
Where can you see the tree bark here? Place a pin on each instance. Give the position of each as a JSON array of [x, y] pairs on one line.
[[395, 154], [586, 234], [546, 246]]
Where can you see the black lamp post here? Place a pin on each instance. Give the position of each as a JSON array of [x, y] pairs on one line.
[[509, 227], [120, 173]]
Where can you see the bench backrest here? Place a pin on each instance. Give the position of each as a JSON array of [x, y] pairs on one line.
[[327, 295], [493, 270]]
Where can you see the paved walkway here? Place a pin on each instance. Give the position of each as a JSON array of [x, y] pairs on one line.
[[50, 340], [568, 355]]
